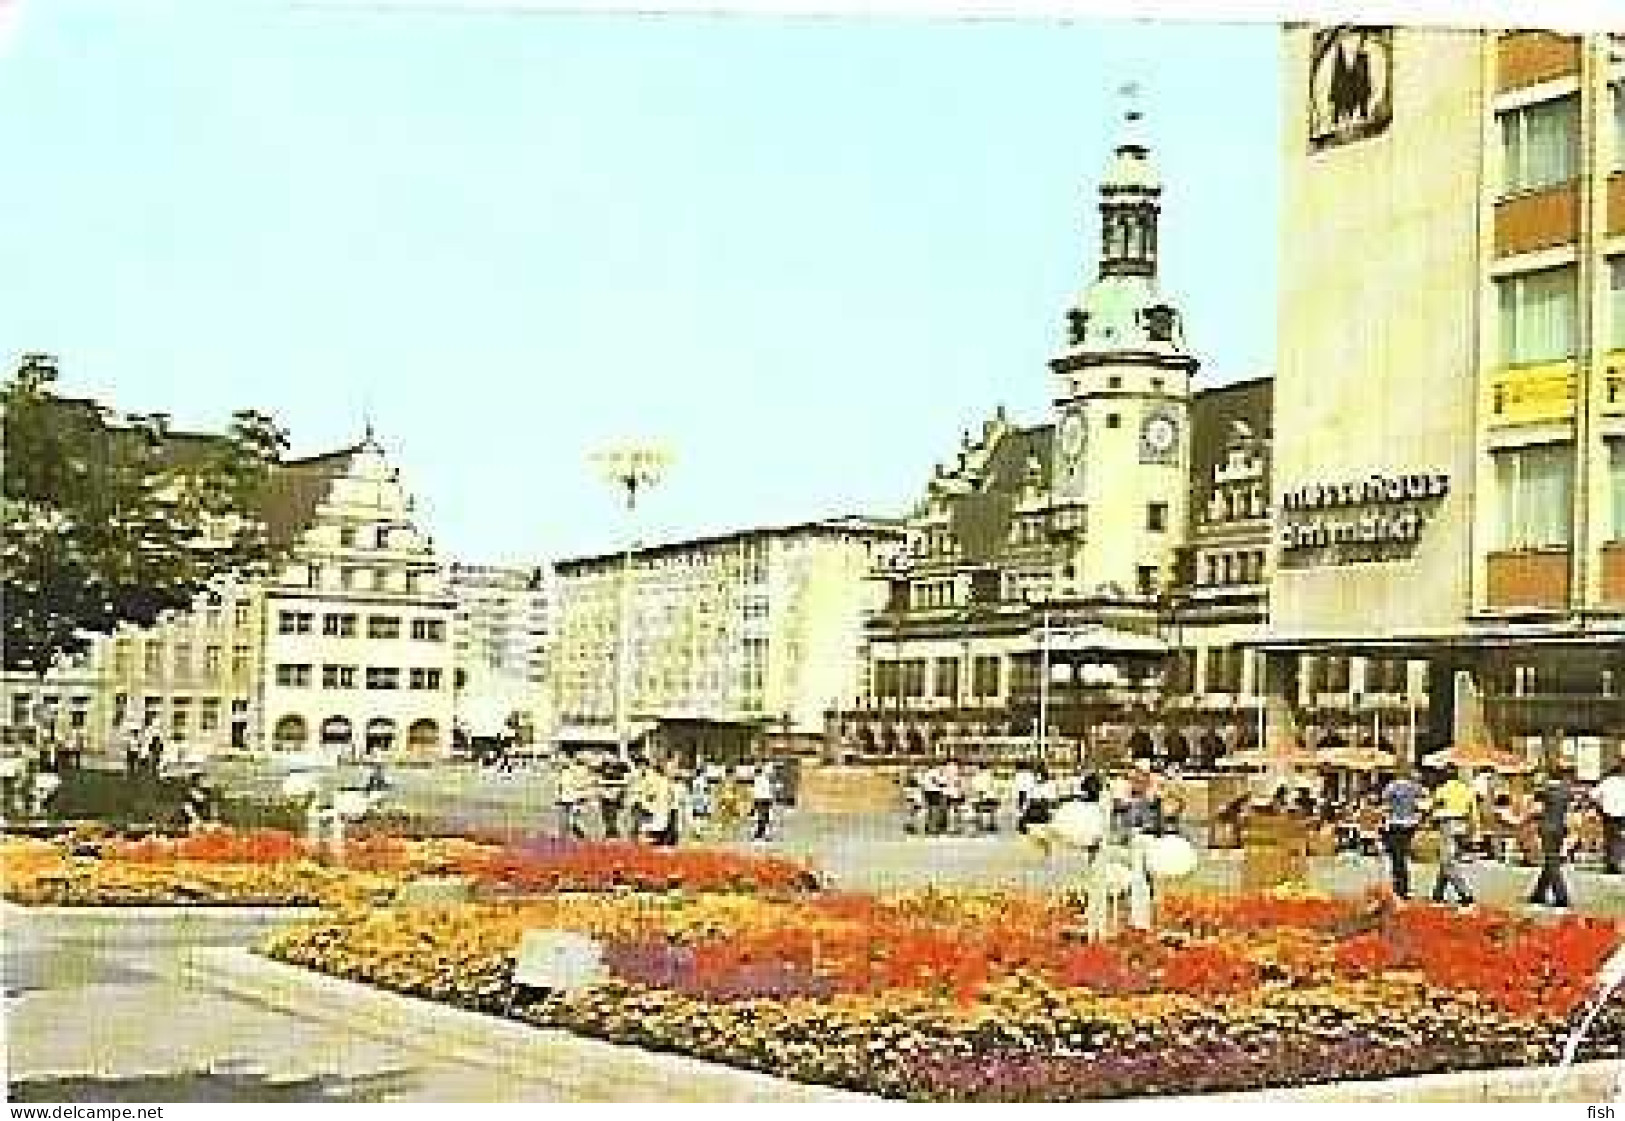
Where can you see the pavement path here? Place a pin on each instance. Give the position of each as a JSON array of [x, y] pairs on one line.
[[165, 1005]]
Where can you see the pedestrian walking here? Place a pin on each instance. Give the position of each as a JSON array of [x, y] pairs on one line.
[[984, 796], [1552, 802], [1610, 799], [1022, 785], [1455, 812], [933, 785], [154, 752], [662, 796], [1403, 801], [762, 797], [571, 795], [133, 739], [953, 796], [1041, 802], [612, 783]]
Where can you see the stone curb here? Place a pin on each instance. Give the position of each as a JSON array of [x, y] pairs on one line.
[[1583, 1082], [517, 1054]]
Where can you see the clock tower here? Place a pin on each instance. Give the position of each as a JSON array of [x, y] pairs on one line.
[[1122, 387]]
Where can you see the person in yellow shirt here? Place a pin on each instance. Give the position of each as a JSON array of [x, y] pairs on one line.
[[1455, 810]]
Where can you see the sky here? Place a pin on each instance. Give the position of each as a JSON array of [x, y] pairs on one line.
[[802, 254]]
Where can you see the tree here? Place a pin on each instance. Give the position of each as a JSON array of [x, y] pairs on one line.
[[114, 519]]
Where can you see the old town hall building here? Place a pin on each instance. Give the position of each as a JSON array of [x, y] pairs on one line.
[[1084, 584]]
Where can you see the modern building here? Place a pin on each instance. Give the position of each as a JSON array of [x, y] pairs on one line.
[[1449, 467], [1087, 584], [500, 643], [347, 648], [759, 628]]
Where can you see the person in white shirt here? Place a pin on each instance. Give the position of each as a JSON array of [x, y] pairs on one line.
[[1023, 784], [1610, 799], [984, 797], [763, 793]]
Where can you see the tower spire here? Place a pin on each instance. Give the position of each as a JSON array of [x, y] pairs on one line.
[[1130, 195]]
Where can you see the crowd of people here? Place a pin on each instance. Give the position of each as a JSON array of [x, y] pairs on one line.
[[600, 794], [1549, 821], [954, 798]]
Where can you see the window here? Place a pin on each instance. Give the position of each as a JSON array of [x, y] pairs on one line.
[[336, 625], [239, 615], [294, 622], [152, 656], [239, 661], [293, 676], [987, 675], [180, 717], [1616, 485], [381, 536], [19, 708], [429, 630], [121, 656], [380, 677], [1616, 302], [1540, 144], [315, 571], [209, 715], [1538, 316], [347, 536], [347, 577], [426, 679], [211, 660], [947, 683], [1618, 90], [383, 626], [1534, 487], [1156, 517], [1145, 579], [1113, 420], [338, 677]]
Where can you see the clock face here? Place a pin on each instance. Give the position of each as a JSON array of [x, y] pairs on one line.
[[1351, 72], [1072, 437], [1158, 438]]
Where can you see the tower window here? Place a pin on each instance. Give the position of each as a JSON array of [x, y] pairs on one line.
[[1114, 382], [1146, 579], [1156, 517], [1113, 420]]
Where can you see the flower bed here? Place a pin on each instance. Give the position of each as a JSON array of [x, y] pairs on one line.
[[938, 996], [270, 867]]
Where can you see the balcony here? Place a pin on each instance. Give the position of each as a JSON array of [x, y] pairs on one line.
[[1531, 394], [1613, 573], [1538, 219], [1527, 58], [1534, 578]]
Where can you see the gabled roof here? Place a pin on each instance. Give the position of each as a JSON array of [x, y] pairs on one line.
[[981, 519], [295, 489]]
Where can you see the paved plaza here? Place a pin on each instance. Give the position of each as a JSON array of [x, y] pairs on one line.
[[163, 1005]]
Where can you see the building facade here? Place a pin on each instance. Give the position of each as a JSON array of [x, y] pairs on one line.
[[347, 648], [1087, 585], [500, 644], [760, 627], [1449, 495]]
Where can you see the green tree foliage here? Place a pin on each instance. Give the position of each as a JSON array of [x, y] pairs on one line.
[[111, 519]]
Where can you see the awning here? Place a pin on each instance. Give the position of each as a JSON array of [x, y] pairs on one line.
[[1104, 640], [601, 734]]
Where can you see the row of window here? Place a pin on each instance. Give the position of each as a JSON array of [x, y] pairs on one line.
[[357, 578], [343, 624], [182, 659], [290, 675], [1244, 567]]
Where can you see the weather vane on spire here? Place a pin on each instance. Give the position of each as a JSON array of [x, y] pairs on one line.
[[1130, 93]]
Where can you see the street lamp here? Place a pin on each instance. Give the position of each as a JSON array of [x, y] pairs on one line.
[[632, 469]]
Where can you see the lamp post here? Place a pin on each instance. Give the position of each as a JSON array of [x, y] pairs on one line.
[[1043, 687], [632, 469]]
